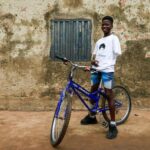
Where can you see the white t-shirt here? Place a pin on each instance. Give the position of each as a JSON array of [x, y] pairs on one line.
[[106, 50]]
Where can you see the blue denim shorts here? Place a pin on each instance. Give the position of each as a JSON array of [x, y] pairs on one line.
[[106, 77]]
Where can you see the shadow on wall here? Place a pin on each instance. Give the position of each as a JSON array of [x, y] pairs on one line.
[[134, 68]]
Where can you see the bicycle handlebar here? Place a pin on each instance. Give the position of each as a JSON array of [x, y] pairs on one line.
[[86, 68]]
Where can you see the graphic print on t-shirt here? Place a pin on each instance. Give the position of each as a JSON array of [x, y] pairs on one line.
[[102, 46]]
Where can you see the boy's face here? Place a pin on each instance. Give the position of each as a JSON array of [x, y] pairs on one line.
[[106, 26]]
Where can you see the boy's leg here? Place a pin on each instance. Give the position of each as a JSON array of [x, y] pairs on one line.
[[91, 117], [111, 103], [107, 79]]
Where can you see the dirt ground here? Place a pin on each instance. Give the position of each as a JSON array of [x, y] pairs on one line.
[[30, 131]]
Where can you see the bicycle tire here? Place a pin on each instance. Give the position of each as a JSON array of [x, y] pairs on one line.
[[63, 109], [122, 96]]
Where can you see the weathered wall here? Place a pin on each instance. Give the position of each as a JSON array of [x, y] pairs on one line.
[[29, 79]]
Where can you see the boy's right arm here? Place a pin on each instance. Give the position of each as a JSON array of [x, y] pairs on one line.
[[93, 61]]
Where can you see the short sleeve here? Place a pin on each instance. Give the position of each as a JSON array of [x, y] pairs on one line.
[[95, 49], [116, 46]]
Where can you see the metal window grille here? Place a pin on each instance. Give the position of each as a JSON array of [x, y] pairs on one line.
[[71, 38]]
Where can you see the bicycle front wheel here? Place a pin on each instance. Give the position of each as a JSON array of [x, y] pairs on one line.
[[61, 119], [122, 105]]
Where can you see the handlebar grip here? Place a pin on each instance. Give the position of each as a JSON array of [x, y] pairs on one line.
[[58, 57], [61, 58]]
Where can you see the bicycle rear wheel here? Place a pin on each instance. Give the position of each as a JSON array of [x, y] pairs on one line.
[[122, 105], [61, 119]]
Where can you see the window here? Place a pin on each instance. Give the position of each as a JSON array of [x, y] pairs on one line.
[[71, 39]]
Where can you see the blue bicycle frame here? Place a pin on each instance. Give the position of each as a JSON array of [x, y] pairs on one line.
[[73, 87]]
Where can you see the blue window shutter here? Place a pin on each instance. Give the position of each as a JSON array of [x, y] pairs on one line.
[[71, 38]]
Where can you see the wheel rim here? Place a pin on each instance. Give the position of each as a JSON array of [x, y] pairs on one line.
[[59, 121], [122, 97], [56, 129]]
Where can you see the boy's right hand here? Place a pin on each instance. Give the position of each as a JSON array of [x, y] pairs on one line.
[[94, 62]]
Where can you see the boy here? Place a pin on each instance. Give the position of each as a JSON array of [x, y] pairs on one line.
[[103, 59]]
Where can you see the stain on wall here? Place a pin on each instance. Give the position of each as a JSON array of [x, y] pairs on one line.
[[119, 14], [73, 3], [6, 22]]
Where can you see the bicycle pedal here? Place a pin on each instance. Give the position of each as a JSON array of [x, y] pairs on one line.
[[104, 124]]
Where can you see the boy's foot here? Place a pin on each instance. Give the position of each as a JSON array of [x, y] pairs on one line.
[[89, 120], [112, 132]]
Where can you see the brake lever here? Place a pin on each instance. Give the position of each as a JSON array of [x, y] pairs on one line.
[[65, 62]]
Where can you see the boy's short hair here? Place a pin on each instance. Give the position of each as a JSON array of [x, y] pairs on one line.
[[108, 18]]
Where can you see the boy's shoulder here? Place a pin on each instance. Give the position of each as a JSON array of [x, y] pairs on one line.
[[114, 35]]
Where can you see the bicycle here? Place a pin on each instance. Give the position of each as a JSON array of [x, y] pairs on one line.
[[64, 107]]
